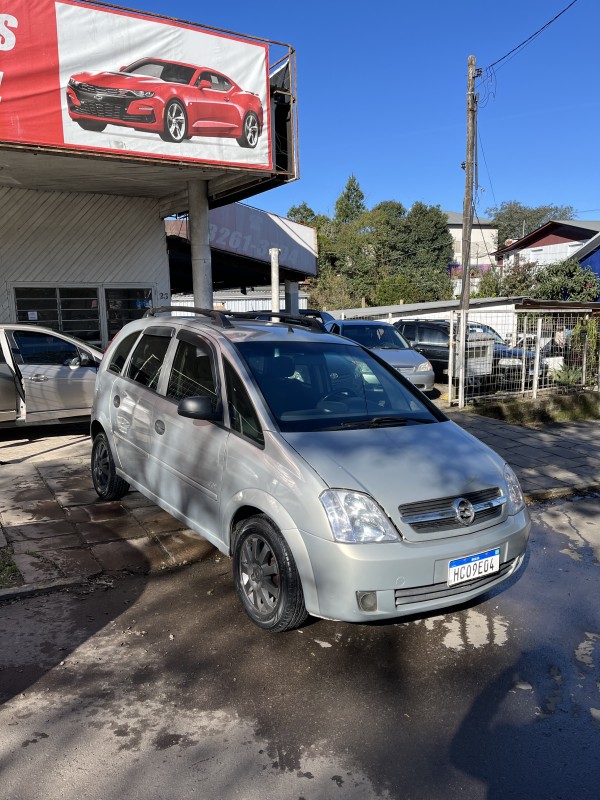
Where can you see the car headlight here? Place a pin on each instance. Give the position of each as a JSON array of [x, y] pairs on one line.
[[425, 367], [516, 501], [510, 362], [355, 518], [140, 93]]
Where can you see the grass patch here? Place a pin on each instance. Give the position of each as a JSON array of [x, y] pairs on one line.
[[9, 574]]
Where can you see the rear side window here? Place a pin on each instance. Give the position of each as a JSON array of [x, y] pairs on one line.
[[241, 411], [147, 360], [119, 357], [193, 373]]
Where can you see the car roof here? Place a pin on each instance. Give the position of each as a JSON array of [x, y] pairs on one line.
[[244, 326]]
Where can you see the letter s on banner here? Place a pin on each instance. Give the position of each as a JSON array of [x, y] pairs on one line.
[[7, 36]]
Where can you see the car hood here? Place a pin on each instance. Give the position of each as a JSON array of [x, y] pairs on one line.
[[504, 351], [398, 358], [401, 464], [117, 80]]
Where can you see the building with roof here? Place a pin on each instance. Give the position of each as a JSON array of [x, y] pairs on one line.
[[484, 239], [554, 241]]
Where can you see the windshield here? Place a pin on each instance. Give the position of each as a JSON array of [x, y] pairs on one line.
[[384, 336], [324, 386]]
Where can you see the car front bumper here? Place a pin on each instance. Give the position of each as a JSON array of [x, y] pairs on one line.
[[408, 578]]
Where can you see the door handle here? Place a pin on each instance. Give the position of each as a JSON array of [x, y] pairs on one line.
[[159, 427], [37, 378]]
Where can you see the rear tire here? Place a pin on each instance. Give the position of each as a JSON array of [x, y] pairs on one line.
[[266, 577], [250, 131], [108, 485]]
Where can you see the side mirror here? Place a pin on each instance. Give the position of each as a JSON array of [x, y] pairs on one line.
[[86, 360], [197, 408], [204, 84]]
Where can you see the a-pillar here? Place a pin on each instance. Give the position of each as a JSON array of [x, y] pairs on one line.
[[200, 244]]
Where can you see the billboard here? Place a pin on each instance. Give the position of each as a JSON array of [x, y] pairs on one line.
[[87, 78]]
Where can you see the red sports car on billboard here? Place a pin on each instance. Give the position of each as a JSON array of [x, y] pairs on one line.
[[175, 100]]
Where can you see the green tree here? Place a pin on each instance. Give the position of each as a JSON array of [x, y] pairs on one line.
[[490, 284], [351, 202], [514, 220], [566, 280], [388, 230], [302, 213], [519, 281]]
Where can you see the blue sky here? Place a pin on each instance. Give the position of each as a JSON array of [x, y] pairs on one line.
[[381, 94]]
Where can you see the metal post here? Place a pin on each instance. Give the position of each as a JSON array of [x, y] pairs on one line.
[[523, 359], [274, 253], [536, 363], [200, 244], [451, 356], [584, 357]]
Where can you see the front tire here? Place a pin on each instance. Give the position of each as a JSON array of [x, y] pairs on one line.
[[175, 123], [108, 485], [266, 577], [250, 131]]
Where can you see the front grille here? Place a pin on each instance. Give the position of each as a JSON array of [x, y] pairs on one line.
[[437, 591], [111, 110], [88, 87], [432, 516]]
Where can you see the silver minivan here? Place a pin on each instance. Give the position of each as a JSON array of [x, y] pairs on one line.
[[338, 489]]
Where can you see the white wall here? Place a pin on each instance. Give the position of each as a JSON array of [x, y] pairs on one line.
[[75, 239]]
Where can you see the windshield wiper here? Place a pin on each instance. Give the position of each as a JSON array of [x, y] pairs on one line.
[[377, 422]]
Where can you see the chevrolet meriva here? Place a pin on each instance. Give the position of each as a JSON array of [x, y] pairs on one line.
[[338, 489]]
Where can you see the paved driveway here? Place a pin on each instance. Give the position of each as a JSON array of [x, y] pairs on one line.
[[160, 687]]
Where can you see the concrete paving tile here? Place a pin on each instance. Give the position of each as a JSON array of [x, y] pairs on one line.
[[136, 555], [135, 500], [51, 543], [66, 483], [111, 531], [155, 520], [36, 511], [99, 511], [186, 546], [18, 495], [73, 562], [77, 497], [3, 540], [35, 569], [38, 530]]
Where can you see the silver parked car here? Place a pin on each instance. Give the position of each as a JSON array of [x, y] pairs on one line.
[[388, 343], [338, 489], [45, 376]]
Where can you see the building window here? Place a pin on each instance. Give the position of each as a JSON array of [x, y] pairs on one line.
[[125, 305], [72, 310]]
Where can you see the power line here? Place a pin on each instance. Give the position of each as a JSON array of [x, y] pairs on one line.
[[530, 39]]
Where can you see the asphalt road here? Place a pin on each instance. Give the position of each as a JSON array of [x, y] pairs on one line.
[[162, 688]]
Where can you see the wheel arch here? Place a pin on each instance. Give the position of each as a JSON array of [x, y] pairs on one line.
[[257, 503]]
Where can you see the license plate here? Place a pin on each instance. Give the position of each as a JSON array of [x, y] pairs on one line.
[[470, 568]]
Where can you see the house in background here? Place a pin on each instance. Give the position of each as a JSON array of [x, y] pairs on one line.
[[554, 241], [484, 239]]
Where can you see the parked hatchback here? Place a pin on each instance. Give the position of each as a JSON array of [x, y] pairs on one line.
[[338, 489], [45, 376], [389, 344]]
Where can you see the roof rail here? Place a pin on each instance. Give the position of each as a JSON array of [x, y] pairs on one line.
[[284, 317], [217, 316]]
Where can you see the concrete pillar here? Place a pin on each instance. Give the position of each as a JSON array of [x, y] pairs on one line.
[[291, 297], [200, 244], [274, 253]]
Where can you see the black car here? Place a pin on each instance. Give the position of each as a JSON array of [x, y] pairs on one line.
[[432, 339]]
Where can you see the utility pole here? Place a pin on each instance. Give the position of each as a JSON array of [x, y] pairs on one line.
[[472, 73]]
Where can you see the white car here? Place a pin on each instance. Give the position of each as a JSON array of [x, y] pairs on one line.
[[45, 376]]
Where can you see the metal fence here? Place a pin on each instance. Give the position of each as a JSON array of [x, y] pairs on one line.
[[507, 351]]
